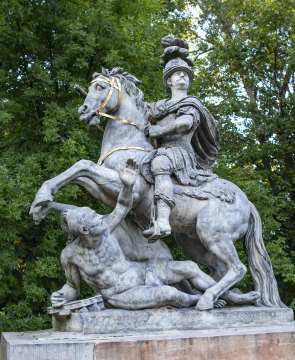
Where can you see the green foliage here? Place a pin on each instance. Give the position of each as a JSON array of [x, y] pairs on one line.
[[244, 54], [46, 48]]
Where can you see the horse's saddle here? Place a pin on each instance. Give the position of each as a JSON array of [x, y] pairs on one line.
[[214, 186]]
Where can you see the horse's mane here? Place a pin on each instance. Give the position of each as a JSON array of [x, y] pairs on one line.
[[129, 83]]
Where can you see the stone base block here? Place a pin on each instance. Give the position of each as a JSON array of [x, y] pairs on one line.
[[125, 322], [260, 343]]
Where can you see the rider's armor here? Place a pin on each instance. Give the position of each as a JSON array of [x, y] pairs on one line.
[[189, 156], [175, 153]]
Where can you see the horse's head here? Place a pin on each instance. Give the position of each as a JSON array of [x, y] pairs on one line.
[[105, 93], [103, 96]]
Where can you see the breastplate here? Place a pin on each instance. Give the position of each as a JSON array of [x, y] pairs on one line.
[[181, 140]]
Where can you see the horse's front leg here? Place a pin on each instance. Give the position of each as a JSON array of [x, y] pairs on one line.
[[105, 178], [94, 190], [40, 212]]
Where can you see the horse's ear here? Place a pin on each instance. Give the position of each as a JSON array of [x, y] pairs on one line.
[[105, 72]]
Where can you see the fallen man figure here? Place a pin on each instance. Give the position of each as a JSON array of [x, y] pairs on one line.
[[95, 255]]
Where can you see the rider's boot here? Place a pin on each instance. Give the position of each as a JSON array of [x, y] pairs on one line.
[[162, 227], [164, 203]]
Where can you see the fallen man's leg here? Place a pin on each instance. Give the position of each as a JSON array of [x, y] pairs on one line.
[[179, 270], [149, 297]]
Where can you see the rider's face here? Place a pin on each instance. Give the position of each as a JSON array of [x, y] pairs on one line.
[[178, 80]]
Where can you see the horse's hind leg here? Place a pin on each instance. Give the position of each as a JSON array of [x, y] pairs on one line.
[[236, 271], [193, 247], [218, 236]]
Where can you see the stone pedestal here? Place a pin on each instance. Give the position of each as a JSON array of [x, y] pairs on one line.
[[246, 333], [155, 320], [259, 343]]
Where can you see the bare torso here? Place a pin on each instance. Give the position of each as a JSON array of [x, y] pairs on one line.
[[104, 268]]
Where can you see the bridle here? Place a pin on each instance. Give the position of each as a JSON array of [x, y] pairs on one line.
[[114, 84]]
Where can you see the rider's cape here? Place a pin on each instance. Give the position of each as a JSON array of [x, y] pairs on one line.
[[205, 137]]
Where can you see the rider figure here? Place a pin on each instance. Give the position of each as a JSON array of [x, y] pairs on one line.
[[186, 136]]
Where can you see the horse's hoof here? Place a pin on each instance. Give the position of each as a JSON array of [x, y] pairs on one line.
[[43, 199], [253, 296], [204, 303]]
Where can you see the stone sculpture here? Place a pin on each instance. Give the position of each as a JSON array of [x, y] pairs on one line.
[[207, 214], [94, 254], [182, 150]]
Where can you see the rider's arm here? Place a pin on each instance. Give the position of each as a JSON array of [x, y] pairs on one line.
[[125, 198], [185, 118], [179, 126]]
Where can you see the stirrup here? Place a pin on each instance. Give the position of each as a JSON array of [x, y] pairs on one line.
[[156, 233], [154, 236]]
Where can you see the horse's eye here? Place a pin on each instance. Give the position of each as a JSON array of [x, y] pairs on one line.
[[100, 86]]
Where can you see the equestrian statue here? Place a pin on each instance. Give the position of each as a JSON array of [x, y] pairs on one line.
[[175, 142]]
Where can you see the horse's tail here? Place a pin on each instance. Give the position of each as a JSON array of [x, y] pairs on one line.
[[260, 264]]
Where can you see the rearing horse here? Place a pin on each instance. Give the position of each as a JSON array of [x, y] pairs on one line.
[[206, 220]]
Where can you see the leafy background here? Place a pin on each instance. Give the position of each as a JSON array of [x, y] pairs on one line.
[[244, 56]]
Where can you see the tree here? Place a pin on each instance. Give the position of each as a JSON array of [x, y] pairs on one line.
[[244, 73], [244, 53], [46, 48]]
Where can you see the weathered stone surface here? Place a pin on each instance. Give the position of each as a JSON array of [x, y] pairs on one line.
[[122, 321], [31, 346], [259, 343], [94, 253], [76, 305], [206, 222], [254, 344], [69, 323]]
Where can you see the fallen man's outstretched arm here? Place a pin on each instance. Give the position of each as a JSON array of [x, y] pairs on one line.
[[39, 213], [125, 198]]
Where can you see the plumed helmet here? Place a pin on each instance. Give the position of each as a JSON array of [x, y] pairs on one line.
[[175, 58], [176, 65]]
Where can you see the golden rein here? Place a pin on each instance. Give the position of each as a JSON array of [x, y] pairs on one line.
[[117, 86], [113, 85]]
